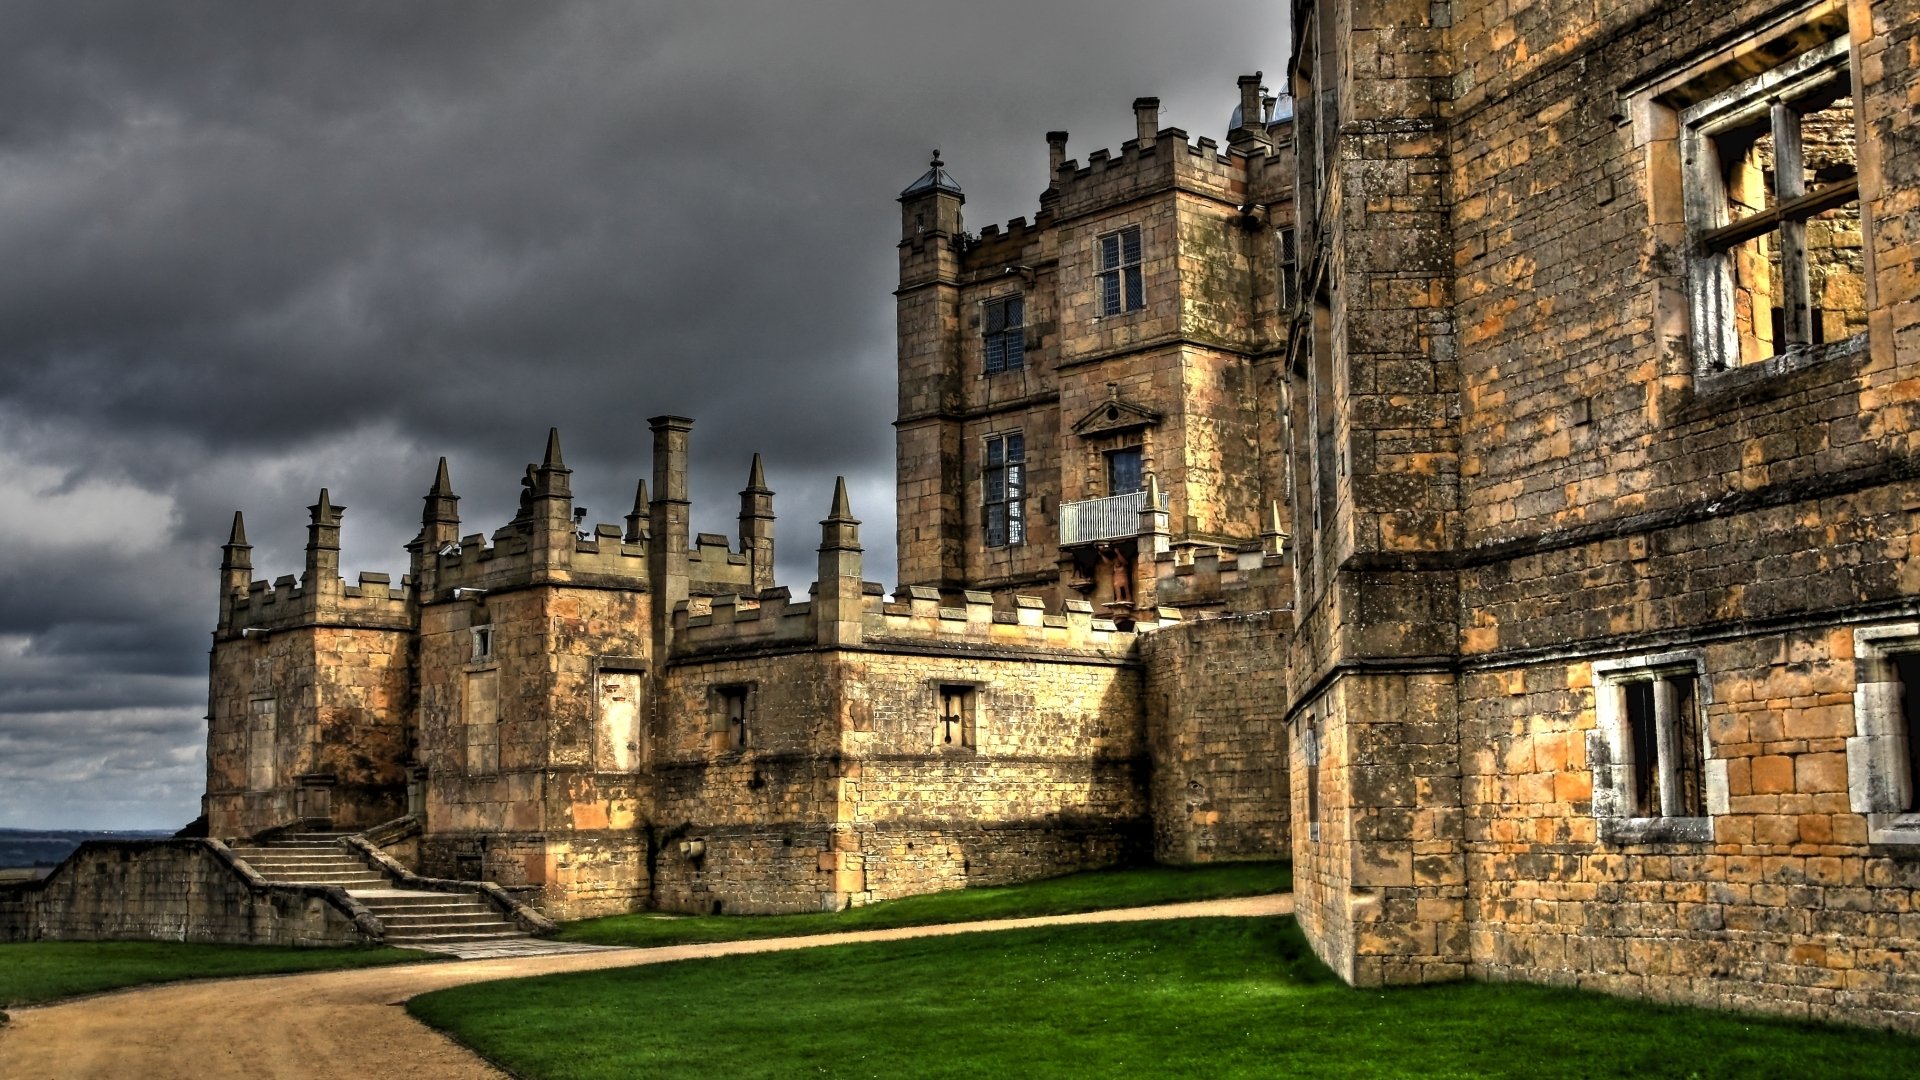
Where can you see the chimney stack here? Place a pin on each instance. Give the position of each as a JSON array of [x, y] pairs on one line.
[[1250, 100], [1146, 119], [1056, 154]]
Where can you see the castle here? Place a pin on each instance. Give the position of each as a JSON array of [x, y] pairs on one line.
[[1492, 483]]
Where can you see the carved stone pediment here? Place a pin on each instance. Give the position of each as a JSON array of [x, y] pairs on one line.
[[1113, 415]]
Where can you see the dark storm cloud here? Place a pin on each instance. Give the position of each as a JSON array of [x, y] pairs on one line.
[[255, 249]]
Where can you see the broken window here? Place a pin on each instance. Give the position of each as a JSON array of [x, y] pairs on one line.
[[954, 729], [1005, 335], [732, 716], [1773, 213], [481, 640], [1883, 756], [1663, 729], [1122, 289], [1006, 490], [1648, 751]]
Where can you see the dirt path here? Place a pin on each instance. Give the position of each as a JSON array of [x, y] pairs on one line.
[[348, 1024]]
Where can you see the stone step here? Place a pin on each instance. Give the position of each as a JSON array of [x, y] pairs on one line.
[[300, 865], [404, 921], [403, 940]]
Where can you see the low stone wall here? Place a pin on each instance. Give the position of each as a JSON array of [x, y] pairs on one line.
[[177, 890]]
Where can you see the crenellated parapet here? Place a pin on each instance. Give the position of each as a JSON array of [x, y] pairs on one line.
[[318, 597], [914, 617], [373, 603]]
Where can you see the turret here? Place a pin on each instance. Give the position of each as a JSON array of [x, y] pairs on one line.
[[756, 525], [670, 509], [550, 500], [930, 208], [439, 528], [838, 599], [323, 546], [927, 428], [236, 568]]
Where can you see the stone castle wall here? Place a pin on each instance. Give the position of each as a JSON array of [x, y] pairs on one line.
[[308, 723], [1216, 708], [1532, 488]]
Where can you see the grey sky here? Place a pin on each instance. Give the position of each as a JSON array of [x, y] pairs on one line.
[[254, 249]]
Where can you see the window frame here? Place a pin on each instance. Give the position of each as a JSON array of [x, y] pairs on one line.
[[1712, 240], [731, 734], [1108, 458], [480, 642], [1121, 280], [1006, 475], [1882, 776], [968, 720], [1003, 349], [1287, 277], [1610, 753]]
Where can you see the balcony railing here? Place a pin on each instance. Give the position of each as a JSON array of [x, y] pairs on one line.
[[1103, 519]]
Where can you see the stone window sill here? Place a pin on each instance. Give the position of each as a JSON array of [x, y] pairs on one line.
[[1656, 830], [1894, 829], [1767, 378]]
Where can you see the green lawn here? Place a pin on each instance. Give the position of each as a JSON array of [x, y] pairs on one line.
[[1093, 891], [36, 971], [1196, 998]]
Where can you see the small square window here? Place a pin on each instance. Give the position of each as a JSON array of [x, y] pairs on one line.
[[1122, 288], [480, 640], [1004, 335], [732, 717], [953, 727], [1653, 779]]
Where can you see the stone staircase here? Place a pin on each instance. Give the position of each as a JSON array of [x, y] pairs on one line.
[[463, 924]]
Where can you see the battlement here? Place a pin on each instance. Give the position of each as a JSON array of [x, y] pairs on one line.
[[1168, 161], [1224, 579], [373, 602], [914, 617], [509, 557]]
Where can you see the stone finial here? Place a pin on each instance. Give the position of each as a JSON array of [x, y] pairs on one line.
[[756, 477], [442, 483], [550, 477], [841, 509], [638, 525], [324, 513], [1275, 536], [1146, 119], [840, 531], [237, 537], [442, 505]]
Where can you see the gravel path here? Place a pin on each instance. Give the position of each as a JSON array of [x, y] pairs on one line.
[[348, 1024]]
